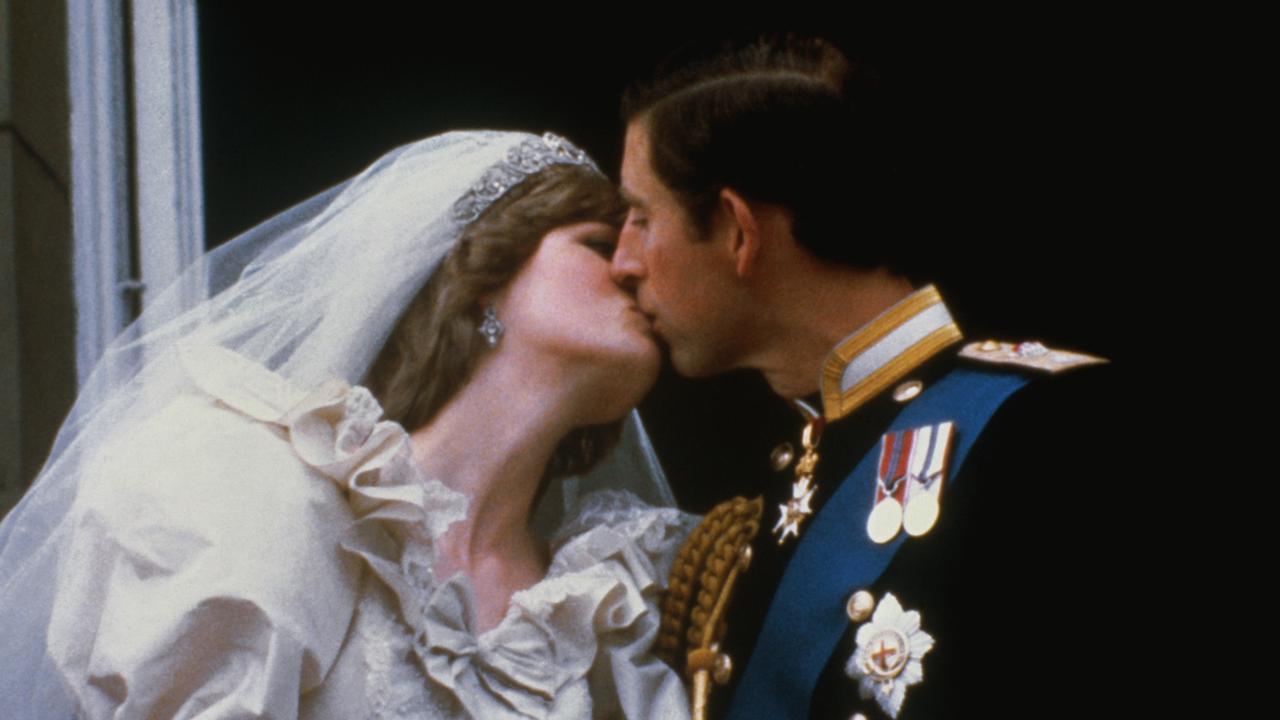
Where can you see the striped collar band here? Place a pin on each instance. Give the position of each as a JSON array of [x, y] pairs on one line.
[[884, 350]]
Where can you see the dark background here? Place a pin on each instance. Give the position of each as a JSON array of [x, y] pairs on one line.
[[1021, 137]]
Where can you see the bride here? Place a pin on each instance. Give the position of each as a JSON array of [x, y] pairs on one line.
[[374, 458]]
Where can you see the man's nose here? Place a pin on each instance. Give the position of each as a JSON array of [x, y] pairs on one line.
[[627, 267]]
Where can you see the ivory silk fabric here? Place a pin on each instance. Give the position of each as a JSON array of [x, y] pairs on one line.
[[256, 550]]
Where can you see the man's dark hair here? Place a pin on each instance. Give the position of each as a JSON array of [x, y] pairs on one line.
[[781, 119]]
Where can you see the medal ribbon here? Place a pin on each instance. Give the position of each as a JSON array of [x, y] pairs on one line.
[[894, 465], [929, 463]]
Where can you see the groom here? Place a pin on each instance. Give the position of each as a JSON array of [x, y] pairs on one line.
[[943, 535]]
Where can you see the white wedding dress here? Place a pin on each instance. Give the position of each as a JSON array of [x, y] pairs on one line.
[[257, 550]]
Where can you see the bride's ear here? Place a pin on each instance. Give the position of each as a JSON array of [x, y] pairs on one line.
[[490, 299], [742, 231]]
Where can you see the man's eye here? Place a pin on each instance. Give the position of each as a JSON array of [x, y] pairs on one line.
[[637, 221]]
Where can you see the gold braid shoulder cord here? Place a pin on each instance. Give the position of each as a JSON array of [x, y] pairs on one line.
[[700, 586]]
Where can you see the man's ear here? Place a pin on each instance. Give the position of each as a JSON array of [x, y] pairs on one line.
[[743, 231]]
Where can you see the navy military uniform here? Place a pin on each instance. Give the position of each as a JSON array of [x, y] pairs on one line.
[[1013, 593]]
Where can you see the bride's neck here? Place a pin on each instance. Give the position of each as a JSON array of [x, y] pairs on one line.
[[492, 442]]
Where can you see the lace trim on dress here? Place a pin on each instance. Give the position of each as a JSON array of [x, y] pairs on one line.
[[393, 687]]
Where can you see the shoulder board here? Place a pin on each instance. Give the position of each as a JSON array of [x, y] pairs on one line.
[[1031, 355]]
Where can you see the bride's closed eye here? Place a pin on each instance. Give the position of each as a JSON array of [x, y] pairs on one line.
[[603, 245]]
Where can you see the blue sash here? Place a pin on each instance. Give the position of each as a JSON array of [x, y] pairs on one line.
[[834, 556]]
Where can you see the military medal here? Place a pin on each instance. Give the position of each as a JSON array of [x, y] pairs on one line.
[[925, 479], [909, 481], [884, 521], [798, 509], [920, 514], [886, 511], [888, 658]]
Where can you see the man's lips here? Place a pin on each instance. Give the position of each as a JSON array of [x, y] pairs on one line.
[[650, 321], [650, 316], [643, 310]]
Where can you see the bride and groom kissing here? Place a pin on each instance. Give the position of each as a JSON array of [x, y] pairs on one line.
[[392, 469]]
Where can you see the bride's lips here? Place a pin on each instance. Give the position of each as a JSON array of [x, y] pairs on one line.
[[649, 317]]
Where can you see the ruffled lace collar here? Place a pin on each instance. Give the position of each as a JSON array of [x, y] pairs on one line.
[[604, 578]]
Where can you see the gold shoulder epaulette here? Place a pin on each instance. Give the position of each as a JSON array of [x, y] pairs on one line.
[[700, 586], [1031, 355]]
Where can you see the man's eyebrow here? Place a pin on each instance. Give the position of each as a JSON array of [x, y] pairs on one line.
[[631, 200]]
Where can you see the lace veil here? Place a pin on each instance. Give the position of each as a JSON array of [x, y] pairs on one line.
[[311, 294]]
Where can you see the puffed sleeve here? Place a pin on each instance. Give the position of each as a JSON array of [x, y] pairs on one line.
[[204, 577]]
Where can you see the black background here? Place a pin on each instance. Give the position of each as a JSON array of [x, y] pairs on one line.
[[1022, 137]]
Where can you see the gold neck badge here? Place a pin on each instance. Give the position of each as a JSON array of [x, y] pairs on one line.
[[798, 509]]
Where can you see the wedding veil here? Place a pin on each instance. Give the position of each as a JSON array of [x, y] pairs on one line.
[[312, 293]]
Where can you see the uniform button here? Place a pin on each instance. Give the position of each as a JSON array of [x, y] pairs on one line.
[[860, 606], [907, 390], [723, 670], [782, 456]]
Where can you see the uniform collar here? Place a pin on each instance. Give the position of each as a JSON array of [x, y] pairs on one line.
[[884, 350]]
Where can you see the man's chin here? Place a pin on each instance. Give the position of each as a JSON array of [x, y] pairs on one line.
[[691, 364]]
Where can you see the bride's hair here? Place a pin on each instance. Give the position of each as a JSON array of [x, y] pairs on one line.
[[435, 345]]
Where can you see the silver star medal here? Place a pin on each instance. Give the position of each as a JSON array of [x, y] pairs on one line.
[[795, 511], [887, 660]]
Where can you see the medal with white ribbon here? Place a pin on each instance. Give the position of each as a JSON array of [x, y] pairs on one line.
[[924, 480]]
